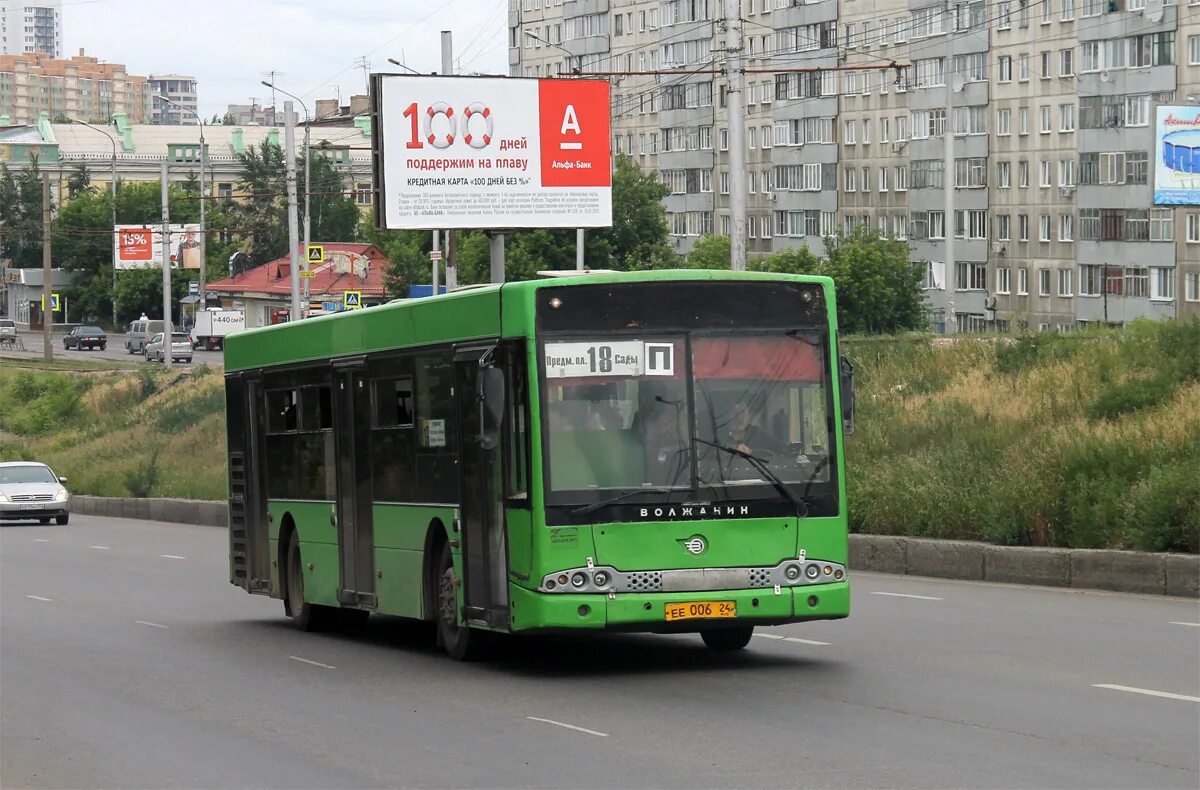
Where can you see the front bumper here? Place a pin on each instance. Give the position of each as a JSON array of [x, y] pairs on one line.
[[534, 611], [28, 511]]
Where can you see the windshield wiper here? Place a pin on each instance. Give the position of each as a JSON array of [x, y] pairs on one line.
[[579, 511], [761, 466]]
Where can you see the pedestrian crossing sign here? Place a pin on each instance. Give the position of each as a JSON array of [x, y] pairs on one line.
[[55, 303], [351, 300], [316, 253]]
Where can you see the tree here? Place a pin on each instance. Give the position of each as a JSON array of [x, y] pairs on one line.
[[710, 252], [21, 214], [405, 251], [878, 288], [80, 180], [140, 291], [639, 231]]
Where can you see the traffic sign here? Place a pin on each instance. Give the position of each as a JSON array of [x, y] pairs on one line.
[[435, 255], [307, 274], [351, 300], [316, 253], [55, 303]]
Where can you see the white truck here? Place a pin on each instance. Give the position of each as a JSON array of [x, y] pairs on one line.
[[212, 327]]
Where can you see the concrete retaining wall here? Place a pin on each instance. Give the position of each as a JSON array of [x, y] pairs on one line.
[[1120, 571]]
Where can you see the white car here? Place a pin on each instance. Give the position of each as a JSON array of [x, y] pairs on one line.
[[30, 491], [181, 348]]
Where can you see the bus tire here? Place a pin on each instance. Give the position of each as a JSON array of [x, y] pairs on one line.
[[724, 639], [461, 643], [306, 616]]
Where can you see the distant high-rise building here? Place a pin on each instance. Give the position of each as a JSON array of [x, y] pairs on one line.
[[80, 87], [31, 26], [180, 90]]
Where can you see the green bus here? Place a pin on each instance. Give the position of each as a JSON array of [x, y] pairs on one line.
[[655, 451]]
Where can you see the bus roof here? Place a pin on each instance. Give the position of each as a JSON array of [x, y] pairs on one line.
[[459, 315]]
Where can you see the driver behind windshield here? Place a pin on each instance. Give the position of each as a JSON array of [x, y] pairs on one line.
[[745, 436]]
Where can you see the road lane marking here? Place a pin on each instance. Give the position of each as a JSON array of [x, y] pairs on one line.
[[805, 641], [172, 557], [769, 636], [1194, 625], [39, 598], [152, 625], [314, 663], [1147, 692], [41, 540], [568, 726], [906, 595], [101, 548]]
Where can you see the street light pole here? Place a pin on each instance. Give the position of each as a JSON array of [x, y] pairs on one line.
[[307, 180], [203, 200], [293, 232], [112, 140]]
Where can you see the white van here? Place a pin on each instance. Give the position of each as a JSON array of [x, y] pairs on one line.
[[139, 334]]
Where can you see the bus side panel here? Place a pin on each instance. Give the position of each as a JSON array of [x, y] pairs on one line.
[[400, 532], [318, 546], [519, 523]]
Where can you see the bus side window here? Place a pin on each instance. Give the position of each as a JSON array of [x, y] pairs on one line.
[[392, 471], [393, 403], [516, 430]]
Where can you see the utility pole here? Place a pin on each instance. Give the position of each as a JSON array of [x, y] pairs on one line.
[[47, 274], [735, 97], [166, 267], [203, 201], [308, 119], [293, 207], [115, 243], [448, 70], [579, 249], [948, 157]]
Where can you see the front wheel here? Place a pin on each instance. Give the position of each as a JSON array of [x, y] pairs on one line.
[[734, 638], [461, 643], [62, 520], [307, 616]]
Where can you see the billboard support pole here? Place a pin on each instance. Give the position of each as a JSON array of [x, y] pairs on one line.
[[497, 257], [292, 207], [579, 249], [736, 98], [433, 260], [166, 267]]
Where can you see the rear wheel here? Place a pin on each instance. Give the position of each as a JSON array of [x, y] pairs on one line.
[[734, 638], [461, 643], [62, 520], [308, 616], [43, 521]]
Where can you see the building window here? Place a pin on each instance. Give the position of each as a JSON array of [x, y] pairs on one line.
[[1023, 120], [1043, 227], [225, 191], [1022, 227], [1191, 283], [1003, 278], [1066, 227], [1066, 63], [1194, 51], [970, 276], [1043, 282], [1023, 173], [1003, 122], [1162, 283], [1066, 279], [1137, 281], [1023, 66], [1046, 61], [1066, 117], [1001, 226], [1193, 228], [1003, 175], [1162, 224], [1090, 279], [1022, 282], [1044, 115], [1005, 68]]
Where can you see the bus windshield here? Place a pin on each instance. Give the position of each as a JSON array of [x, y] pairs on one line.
[[697, 413]]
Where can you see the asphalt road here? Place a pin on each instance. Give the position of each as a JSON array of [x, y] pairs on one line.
[[115, 351], [127, 660]]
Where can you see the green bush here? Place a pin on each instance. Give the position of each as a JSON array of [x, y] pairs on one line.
[[140, 480], [183, 413], [1133, 395]]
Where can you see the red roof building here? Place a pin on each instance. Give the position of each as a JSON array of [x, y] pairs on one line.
[[267, 288]]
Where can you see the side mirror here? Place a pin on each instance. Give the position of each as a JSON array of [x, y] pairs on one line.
[[846, 386], [62, 479], [491, 406]]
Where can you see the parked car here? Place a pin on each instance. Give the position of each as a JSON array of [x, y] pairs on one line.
[[140, 332], [32, 492], [82, 337], [8, 327], [181, 348]]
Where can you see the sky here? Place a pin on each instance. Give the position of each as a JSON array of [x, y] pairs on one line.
[[230, 46]]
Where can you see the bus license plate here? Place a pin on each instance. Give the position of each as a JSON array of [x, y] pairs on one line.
[[700, 610]]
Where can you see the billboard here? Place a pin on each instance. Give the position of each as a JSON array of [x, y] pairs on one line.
[[1177, 156], [140, 246], [491, 152]]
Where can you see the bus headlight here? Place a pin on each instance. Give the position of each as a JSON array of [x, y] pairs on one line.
[[578, 580], [792, 572], [600, 578], [812, 571]]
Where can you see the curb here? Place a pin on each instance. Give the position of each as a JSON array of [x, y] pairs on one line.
[[1088, 569]]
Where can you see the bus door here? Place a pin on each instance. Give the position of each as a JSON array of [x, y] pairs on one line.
[[353, 511], [479, 385], [249, 543]]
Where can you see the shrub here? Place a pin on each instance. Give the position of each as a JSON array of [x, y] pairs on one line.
[[141, 479], [182, 413]]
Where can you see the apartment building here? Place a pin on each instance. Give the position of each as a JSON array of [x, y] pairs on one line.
[[79, 87], [31, 26], [1187, 220], [181, 90]]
